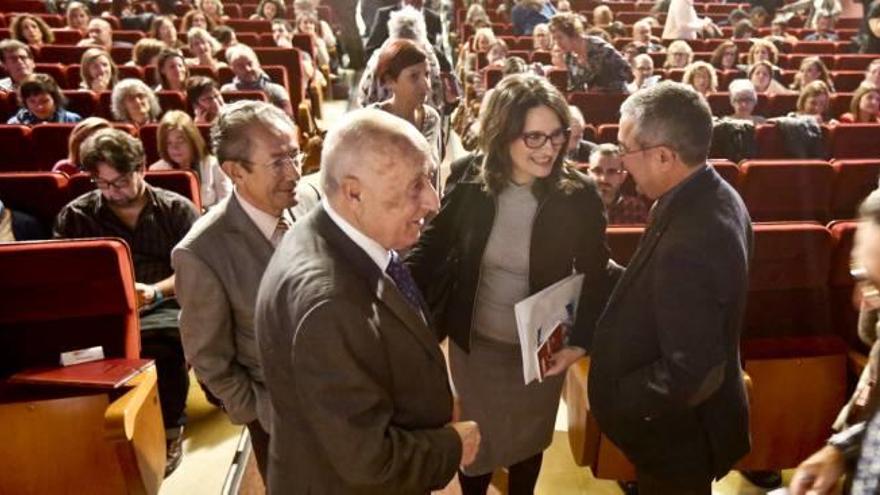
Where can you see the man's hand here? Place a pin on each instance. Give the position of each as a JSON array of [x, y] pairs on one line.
[[146, 294], [564, 358], [469, 433], [818, 474]]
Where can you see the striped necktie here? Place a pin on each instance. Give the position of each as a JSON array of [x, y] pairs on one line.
[[281, 228]]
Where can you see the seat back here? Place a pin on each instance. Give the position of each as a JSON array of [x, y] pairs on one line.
[[853, 181], [786, 190], [18, 138], [41, 194], [855, 141], [841, 284], [50, 143], [59, 296]]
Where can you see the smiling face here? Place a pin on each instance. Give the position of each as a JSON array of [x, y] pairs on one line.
[[280, 33], [527, 163], [78, 19], [269, 180], [245, 68], [816, 105], [869, 105], [18, 63], [270, 10], [174, 72], [167, 33], [137, 106], [100, 71]]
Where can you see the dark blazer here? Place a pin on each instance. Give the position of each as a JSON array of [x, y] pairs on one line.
[[358, 384], [379, 31], [568, 234], [665, 380], [217, 290]]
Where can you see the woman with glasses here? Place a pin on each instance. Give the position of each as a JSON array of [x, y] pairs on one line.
[[403, 69], [182, 147], [514, 225]]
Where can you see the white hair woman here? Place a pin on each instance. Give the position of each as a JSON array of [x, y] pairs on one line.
[[133, 102]]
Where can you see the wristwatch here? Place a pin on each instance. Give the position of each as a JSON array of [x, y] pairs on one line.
[[848, 441]]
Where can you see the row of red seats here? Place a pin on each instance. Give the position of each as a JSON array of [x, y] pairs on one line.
[[604, 108], [42, 145], [68, 75], [44, 194]]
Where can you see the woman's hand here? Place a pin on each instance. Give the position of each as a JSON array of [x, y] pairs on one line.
[[564, 358]]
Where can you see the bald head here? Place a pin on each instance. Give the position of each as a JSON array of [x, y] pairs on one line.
[[376, 172], [366, 144]]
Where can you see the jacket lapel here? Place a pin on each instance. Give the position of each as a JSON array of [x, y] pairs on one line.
[[242, 223], [379, 283]]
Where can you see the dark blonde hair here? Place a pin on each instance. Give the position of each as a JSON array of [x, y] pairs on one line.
[[165, 56], [860, 93], [823, 70], [503, 122], [813, 89], [175, 120], [90, 56], [567, 23]]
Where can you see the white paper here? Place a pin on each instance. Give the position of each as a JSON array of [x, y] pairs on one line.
[[539, 313]]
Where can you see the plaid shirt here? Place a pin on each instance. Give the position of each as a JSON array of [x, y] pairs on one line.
[[163, 222]]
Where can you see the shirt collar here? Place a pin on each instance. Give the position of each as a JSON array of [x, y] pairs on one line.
[[265, 222], [377, 253]]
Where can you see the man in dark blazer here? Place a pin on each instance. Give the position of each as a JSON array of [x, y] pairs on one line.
[[221, 260], [359, 388], [665, 381], [379, 30]]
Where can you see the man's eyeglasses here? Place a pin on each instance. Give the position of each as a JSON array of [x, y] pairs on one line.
[[278, 166], [120, 183], [626, 152], [537, 139]]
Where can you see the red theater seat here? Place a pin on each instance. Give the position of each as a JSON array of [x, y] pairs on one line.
[[781, 190], [50, 143], [41, 194], [623, 241], [18, 138], [230, 96], [855, 141], [788, 281], [843, 310], [82, 102], [854, 180], [728, 170], [598, 108]]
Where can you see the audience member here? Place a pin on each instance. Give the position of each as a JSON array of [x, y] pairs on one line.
[[20, 226], [762, 50], [665, 369], [824, 28], [702, 77], [761, 76], [759, 17], [778, 34], [151, 221], [605, 167], [98, 71], [577, 145], [226, 36], [744, 30], [476, 17], [872, 73], [323, 27], [812, 69], [269, 10], [526, 14], [592, 63], [405, 23], [682, 22], [679, 55], [217, 288], [181, 147], [163, 29], [133, 102], [81, 131], [307, 23], [814, 101], [495, 227], [101, 35], [77, 16], [40, 101], [366, 334], [171, 71], [31, 30], [204, 98], [744, 99], [203, 46], [18, 62], [213, 10], [641, 33], [864, 107], [603, 16], [249, 76], [196, 19], [380, 32], [725, 57], [643, 72], [871, 37], [145, 52], [403, 69], [541, 39]]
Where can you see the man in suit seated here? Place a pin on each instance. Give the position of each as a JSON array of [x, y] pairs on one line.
[[379, 30], [218, 265], [666, 384], [151, 221], [359, 388]]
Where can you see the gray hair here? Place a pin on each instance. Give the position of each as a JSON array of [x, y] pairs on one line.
[[239, 50], [204, 35], [643, 56], [407, 23], [742, 86], [123, 90], [674, 115], [230, 139], [368, 136]]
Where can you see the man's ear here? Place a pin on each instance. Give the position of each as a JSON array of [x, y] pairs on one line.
[[351, 189], [234, 170]]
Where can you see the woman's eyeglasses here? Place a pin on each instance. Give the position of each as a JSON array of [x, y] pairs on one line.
[[537, 139]]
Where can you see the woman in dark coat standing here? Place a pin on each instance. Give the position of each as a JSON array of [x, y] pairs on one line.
[[520, 223]]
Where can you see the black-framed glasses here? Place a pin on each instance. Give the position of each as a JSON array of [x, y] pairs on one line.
[[120, 183], [537, 139]]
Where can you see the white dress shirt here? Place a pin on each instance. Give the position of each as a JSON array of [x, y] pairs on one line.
[[377, 253], [265, 222]]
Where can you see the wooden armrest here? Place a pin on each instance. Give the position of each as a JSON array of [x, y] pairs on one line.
[[119, 420]]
